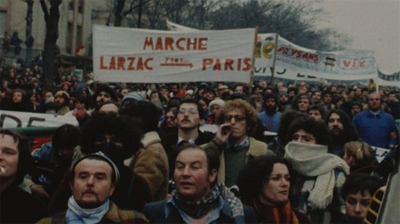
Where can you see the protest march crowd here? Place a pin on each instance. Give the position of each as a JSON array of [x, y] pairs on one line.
[[293, 152]]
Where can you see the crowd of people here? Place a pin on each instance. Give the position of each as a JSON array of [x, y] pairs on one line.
[[285, 153]]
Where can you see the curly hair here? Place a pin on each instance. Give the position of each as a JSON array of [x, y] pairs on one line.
[[311, 126], [145, 111], [251, 178], [240, 104], [124, 128], [107, 89], [286, 120]]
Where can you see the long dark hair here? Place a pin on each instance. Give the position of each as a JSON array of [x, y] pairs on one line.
[[250, 179]]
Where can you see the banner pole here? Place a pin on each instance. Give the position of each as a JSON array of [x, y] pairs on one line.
[[253, 61], [274, 61]]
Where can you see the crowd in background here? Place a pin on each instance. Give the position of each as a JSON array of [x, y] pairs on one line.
[[302, 131]]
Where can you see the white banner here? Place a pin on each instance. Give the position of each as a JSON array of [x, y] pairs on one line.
[[295, 62], [153, 56], [14, 119], [388, 79], [299, 63], [176, 27]]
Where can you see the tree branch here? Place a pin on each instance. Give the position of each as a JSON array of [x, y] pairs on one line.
[[45, 10]]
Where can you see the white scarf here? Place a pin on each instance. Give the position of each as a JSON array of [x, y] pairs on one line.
[[315, 161], [76, 214]]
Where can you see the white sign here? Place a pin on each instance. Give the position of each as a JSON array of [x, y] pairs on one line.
[[299, 63], [139, 55], [14, 119], [295, 62]]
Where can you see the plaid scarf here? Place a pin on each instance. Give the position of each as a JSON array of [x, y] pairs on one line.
[[200, 208]]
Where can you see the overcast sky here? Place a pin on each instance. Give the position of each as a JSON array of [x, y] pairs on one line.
[[374, 25]]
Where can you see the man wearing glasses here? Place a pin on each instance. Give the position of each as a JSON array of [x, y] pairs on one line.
[[233, 139], [190, 115]]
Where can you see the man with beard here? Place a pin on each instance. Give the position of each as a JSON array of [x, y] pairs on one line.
[[62, 100], [341, 131], [104, 93], [190, 114], [376, 127], [270, 117]]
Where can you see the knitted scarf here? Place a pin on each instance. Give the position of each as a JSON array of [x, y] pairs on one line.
[[275, 214], [200, 208], [235, 203], [315, 161], [77, 214]]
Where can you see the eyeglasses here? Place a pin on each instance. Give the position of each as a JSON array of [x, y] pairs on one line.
[[169, 118], [190, 111], [238, 118]]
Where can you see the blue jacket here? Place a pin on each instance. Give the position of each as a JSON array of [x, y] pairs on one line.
[[375, 130], [156, 211], [47, 153], [270, 122]]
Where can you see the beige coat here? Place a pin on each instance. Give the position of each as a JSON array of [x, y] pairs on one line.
[[256, 148], [151, 163]]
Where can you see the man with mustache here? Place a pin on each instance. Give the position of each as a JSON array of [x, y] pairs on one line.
[[341, 130], [104, 93], [198, 198], [190, 115], [92, 182]]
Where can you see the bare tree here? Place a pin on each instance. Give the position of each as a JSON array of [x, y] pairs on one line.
[[51, 17], [122, 9]]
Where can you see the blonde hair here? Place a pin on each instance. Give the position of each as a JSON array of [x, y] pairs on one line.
[[361, 152]]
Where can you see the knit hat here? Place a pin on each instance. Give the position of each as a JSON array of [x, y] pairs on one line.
[[218, 102], [62, 93], [223, 87], [102, 157], [133, 95], [190, 91], [237, 95], [203, 85]]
